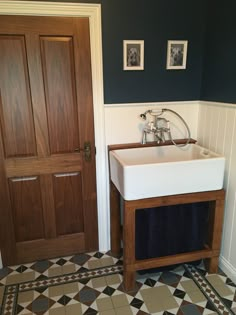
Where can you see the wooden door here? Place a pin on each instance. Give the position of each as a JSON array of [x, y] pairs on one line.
[[47, 179]]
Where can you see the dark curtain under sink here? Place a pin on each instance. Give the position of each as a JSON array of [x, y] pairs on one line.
[[170, 230]]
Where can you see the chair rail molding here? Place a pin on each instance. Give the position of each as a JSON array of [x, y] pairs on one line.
[[93, 11]]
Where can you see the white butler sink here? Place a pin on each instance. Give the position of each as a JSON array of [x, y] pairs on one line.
[[148, 172]]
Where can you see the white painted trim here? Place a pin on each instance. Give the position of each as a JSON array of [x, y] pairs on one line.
[[40, 8], [93, 11], [152, 104], [227, 268], [217, 104]]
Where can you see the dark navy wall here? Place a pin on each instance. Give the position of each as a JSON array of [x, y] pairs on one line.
[[154, 21], [219, 75]]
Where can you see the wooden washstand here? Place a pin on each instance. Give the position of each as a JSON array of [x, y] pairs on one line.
[[212, 244]]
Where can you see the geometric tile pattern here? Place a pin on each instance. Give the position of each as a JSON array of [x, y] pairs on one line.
[[91, 283], [208, 290]]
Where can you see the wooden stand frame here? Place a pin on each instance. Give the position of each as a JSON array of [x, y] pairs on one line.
[[210, 252], [211, 249]]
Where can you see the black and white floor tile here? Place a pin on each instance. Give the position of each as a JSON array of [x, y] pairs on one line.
[[91, 283]]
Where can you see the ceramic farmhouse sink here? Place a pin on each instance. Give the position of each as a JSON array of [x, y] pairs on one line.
[[165, 170]]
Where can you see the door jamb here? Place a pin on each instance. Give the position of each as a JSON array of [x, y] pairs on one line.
[[93, 11]]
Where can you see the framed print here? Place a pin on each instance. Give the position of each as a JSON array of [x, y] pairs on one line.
[[133, 55], [176, 54]]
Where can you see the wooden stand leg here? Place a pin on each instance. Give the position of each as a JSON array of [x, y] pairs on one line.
[[129, 279], [212, 264], [115, 220], [129, 247], [215, 232]]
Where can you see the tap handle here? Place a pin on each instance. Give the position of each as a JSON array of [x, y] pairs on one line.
[[151, 125]]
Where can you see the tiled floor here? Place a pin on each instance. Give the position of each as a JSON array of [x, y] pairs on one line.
[[92, 284]]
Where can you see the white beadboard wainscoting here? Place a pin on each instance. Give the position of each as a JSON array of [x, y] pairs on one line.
[[124, 125], [217, 131]]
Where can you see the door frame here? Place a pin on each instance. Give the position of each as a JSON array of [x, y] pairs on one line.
[[93, 11]]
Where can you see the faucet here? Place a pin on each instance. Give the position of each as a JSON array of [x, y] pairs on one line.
[[158, 128], [150, 128], [161, 126]]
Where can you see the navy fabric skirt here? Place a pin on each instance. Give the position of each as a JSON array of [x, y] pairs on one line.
[[170, 230]]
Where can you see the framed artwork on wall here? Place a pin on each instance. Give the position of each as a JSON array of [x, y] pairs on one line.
[[133, 55], [176, 54]]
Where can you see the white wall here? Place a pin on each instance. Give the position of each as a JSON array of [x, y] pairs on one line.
[[217, 131], [123, 124]]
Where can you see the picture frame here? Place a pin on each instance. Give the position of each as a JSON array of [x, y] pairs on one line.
[[176, 54], [133, 55]]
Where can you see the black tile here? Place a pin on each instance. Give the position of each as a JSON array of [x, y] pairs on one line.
[[230, 282], [179, 293], [61, 262], [108, 291], [21, 268], [202, 272], [136, 303], [84, 281], [98, 255], [187, 275], [119, 262], [210, 306], [64, 300], [41, 289], [227, 302], [150, 282], [19, 308], [91, 311], [42, 277], [82, 269]]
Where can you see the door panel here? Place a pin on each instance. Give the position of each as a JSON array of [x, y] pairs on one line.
[[25, 195], [40, 247], [68, 196], [46, 116], [37, 94], [16, 109], [47, 165], [59, 78]]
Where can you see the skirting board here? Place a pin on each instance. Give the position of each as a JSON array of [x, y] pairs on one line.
[[227, 268]]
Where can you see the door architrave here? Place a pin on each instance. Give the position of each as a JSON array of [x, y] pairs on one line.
[[93, 11]]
